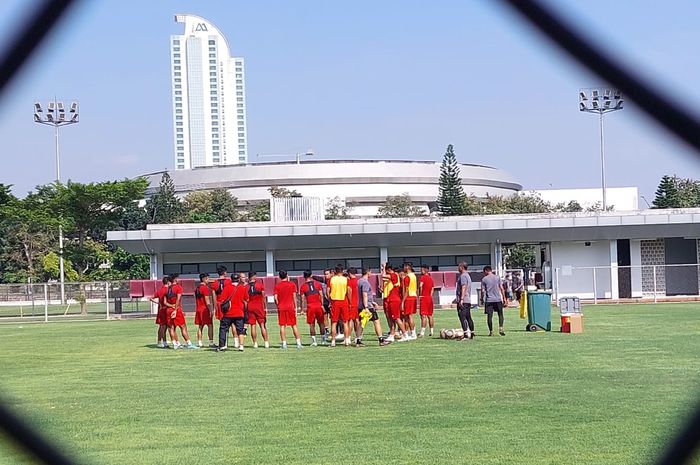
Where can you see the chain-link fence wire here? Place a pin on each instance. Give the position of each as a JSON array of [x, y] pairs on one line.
[[70, 302], [623, 284]]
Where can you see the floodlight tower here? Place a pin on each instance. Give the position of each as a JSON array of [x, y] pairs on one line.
[[55, 115], [600, 101]]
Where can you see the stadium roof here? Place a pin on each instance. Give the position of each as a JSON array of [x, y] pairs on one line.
[[385, 232]]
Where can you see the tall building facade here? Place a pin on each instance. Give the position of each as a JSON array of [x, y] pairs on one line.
[[208, 92]]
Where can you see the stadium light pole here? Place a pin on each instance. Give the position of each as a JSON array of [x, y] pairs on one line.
[[600, 101], [56, 116]]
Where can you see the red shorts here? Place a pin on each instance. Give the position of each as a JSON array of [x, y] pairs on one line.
[[353, 313], [426, 306], [393, 309], [179, 319], [314, 315], [162, 316], [257, 317], [202, 317], [409, 305], [287, 317], [339, 310]]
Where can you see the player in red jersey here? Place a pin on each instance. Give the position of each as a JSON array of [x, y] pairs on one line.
[[312, 300], [409, 296], [257, 313], [218, 286], [392, 302], [353, 310], [176, 317], [204, 309], [233, 309], [286, 301], [161, 316], [426, 299]]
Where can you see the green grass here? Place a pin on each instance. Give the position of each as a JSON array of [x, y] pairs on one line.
[[613, 395]]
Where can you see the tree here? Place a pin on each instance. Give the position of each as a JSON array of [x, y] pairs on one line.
[[52, 271], [164, 207], [667, 195], [399, 206], [280, 192], [337, 209], [214, 206], [258, 212], [572, 207], [451, 198], [519, 256]]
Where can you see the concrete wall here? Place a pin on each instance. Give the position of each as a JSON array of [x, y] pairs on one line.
[[575, 261]]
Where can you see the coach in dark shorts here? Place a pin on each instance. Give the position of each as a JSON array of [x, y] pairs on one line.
[[493, 296]]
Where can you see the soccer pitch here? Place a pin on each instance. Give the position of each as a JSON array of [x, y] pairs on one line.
[[613, 395]]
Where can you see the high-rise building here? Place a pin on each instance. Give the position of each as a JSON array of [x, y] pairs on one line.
[[209, 113]]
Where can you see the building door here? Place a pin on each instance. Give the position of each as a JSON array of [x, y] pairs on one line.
[[624, 272], [681, 280]]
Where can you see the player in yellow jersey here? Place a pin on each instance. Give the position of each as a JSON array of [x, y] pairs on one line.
[[409, 302]]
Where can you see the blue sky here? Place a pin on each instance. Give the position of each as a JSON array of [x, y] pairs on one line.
[[363, 79]]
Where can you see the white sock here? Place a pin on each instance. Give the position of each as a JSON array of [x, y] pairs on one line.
[[431, 331], [284, 343], [199, 343], [413, 333], [255, 345], [422, 331], [298, 342], [267, 345], [313, 339], [235, 343]]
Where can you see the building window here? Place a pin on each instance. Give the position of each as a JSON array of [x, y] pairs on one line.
[[178, 116], [178, 86], [212, 73], [212, 55], [241, 141], [178, 105], [181, 147], [238, 70], [239, 63], [178, 123], [214, 99], [240, 117], [215, 129], [176, 42], [177, 68], [212, 79], [241, 146], [176, 49], [212, 68], [181, 167], [238, 81], [239, 75], [214, 110], [179, 129], [178, 111], [216, 160], [240, 111], [176, 55], [214, 117], [178, 99], [214, 123], [177, 62], [239, 99], [241, 134], [212, 49], [239, 93], [215, 147], [212, 42], [177, 73], [239, 87], [215, 154], [239, 105], [178, 92], [241, 152], [178, 79]]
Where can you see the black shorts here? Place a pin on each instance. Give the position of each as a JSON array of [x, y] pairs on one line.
[[374, 316], [239, 324], [490, 307]]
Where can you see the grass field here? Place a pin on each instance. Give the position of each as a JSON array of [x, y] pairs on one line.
[[613, 395]]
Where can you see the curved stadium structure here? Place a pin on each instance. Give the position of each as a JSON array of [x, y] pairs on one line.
[[363, 183]]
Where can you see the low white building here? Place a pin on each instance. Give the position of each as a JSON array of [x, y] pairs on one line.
[[601, 255]]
